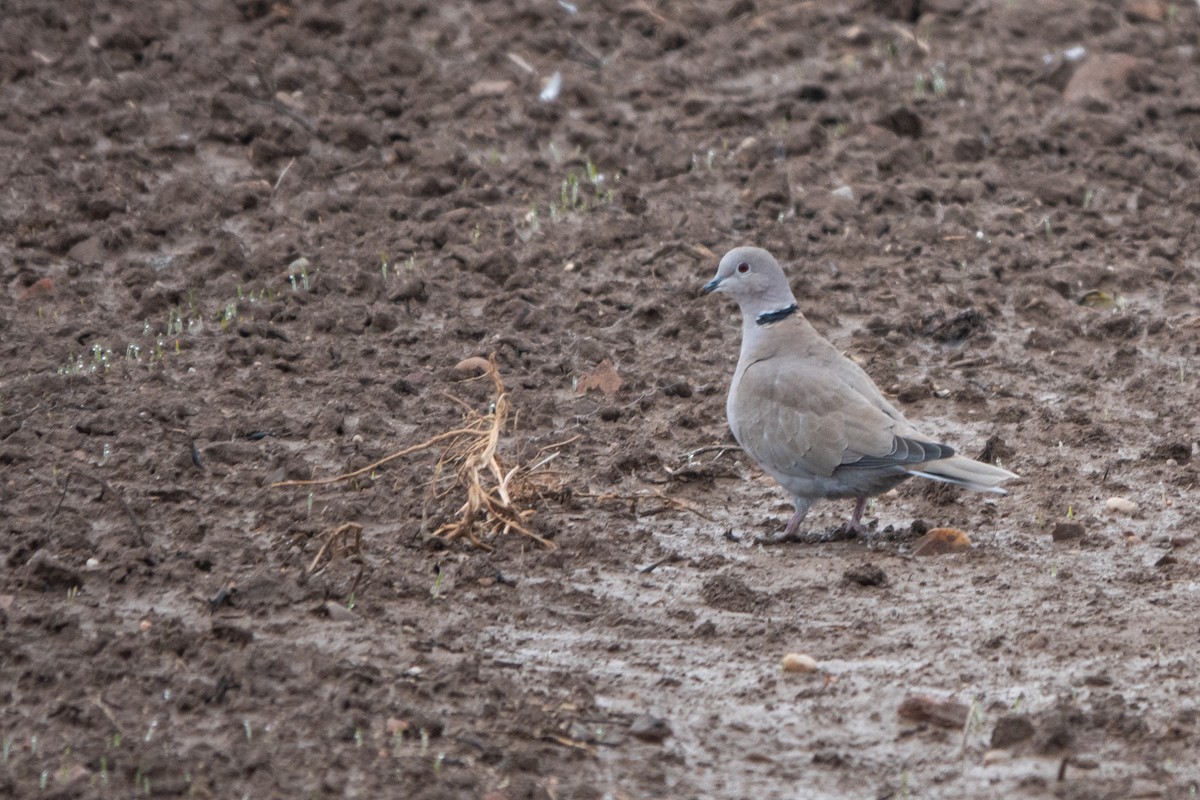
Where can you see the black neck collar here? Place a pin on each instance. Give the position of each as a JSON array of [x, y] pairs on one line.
[[768, 317]]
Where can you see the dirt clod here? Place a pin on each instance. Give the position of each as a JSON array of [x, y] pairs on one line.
[[650, 729], [866, 574], [731, 593], [1011, 729], [942, 713], [1065, 531]]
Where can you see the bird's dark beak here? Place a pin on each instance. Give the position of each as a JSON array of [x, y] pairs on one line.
[[711, 286]]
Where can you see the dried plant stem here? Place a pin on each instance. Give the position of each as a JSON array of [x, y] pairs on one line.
[[471, 450]]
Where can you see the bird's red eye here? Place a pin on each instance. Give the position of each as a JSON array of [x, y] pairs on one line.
[[743, 267]]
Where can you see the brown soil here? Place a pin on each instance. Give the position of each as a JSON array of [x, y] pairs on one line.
[[245, 242]]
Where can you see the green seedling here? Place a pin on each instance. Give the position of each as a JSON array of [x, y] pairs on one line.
[[298, 274], [228, 315], [974, 722]]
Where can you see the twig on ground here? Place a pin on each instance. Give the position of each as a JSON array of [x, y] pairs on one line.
[[657, 494], [344, 540]]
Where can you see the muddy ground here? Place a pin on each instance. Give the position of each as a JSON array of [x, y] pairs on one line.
[[243, 242]]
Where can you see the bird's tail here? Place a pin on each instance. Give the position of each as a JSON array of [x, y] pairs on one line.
[[966, 472]]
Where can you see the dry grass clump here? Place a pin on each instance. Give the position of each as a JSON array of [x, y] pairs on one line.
[[497, 499]]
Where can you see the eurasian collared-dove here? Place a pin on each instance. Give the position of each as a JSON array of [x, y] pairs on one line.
[[812, 418]]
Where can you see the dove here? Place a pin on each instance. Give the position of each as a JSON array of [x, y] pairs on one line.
[[811, 418]]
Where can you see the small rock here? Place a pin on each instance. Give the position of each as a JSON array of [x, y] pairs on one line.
[[490, 88], [92, 563], [943, 713], [411, 289], [475, 364], [1120, 505], [89, 251], [995, 757], [98, 425], [1102, 77], [941, 541], [1067, 530], [799, 662], [650, 729], [844, 192], [40, 288]]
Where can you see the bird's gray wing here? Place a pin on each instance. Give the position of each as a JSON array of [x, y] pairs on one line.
[[796, 417]]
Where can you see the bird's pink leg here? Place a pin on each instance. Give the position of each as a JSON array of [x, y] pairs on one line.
[[856, 518], [790, 533]]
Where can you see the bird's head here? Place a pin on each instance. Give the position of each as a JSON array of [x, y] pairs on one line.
[[753, 278]]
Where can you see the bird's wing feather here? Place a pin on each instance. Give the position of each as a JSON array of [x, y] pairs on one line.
[[796, 417]]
